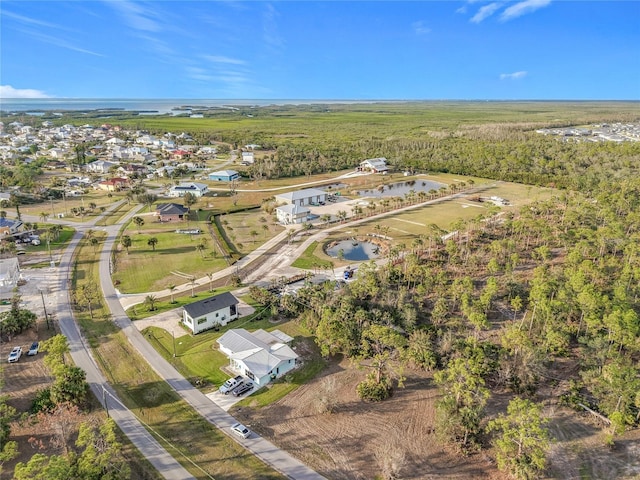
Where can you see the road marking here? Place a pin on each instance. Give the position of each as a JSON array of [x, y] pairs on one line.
[[409, 221]]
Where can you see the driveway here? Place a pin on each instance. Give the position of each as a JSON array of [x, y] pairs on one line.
[[225, 402], [170, 320]]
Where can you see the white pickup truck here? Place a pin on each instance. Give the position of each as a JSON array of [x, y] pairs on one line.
[[230, 384]]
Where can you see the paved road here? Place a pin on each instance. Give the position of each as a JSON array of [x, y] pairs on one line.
[[168, 467], [263, 449]]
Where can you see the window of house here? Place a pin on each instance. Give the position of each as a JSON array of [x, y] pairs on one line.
[[217, 314], [202, 320]]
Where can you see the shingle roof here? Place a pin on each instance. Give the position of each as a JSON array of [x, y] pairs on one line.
[[211, 304], [171, 209]]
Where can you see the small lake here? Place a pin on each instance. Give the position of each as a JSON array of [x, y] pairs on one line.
[[354, 250], [399, 189]]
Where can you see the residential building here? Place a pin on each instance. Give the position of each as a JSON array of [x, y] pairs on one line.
[[308, 196], [114, 184], [262, 356], [375, 165], [100, 166], [198, 189], [291, 214], [210, 312], [247, 158], [224, 176], [171, 212], [9, 227]]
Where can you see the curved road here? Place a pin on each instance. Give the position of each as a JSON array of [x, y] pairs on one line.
[[168, 467]]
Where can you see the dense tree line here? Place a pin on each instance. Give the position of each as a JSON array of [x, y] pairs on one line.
[[496, 308]]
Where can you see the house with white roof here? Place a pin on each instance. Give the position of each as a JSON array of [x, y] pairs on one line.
[[375, 165], [198, 189], [292, 214], [308, 196], [262, 356]]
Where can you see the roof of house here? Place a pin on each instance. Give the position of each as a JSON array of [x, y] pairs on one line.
[[300, 194], [293, 209], [189, 186], [211, 304], [7, 222], [171, 209], [260, 351], [224, 173], [376, 162]]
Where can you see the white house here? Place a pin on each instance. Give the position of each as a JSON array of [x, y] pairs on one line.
[[290, 214], [100, 166], [308, 196], [198, 189], [375, 165], [247, 158], [262, 356], [210, 312]]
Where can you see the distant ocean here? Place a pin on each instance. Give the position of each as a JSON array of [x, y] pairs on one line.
[[161, 106]]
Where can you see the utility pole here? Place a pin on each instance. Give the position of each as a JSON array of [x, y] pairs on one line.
[[46, 316], [173, 336], [104, 400]]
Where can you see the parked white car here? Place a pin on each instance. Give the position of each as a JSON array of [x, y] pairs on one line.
[[241, 430], [230, 384], [15, 355]]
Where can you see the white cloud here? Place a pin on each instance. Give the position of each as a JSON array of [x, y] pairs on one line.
[[522, 8], [7, 91], [485, 12], [513, 76], [223, 59], [420, 28], [270, 31], [137, 15], [28, 20]]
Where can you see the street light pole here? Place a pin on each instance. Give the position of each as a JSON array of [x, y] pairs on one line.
[[104, 400], [173, 336]]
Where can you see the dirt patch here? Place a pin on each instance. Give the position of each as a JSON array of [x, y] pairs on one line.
[[359, 440]]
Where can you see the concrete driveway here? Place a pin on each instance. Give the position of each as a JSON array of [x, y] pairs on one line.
[[225, 402]]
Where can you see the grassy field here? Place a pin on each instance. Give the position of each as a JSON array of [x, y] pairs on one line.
[[314, 257], [248, 230], [173, 422], [55, 207]]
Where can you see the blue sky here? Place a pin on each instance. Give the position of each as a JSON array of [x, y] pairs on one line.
[[520, 49]]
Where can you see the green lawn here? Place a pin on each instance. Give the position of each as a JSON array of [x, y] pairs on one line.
[[248, 230], [309, 259], [143, 269]]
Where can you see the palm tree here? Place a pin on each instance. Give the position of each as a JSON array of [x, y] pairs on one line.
[[44, 216], [150, 301], [152, 242], [253, 234], [94, 243], [200, 247], [193, 284], [139, 221], [265, 229], [172, 289], [210, 275], [125, 241]]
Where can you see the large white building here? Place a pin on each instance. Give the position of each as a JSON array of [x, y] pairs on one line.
[[308, 196], [210, 312], [198, 189]]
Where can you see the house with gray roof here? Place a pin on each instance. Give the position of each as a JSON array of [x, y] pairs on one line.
[[308, 196], [210, 312], [171, 212], [262, 356], [290, 214]]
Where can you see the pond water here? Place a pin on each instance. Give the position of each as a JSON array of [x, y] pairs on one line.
[[399, 189], [354, 250]]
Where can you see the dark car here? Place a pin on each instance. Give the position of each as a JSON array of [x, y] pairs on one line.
[[242, 389]]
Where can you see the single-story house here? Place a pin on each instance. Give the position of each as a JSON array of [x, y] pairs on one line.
[[198, 189], [375, 165], [224, 176], [308, 196], [9, 272], [171, 212], [290, 214], [210, 312], [99, 166], [9, 227], [113, 184], [262, 356], [247, 158]]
